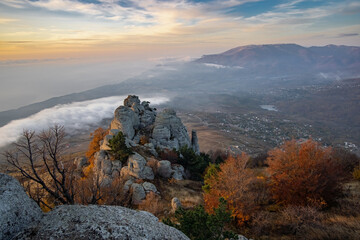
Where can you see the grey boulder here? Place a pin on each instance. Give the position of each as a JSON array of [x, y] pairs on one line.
[[17, 210], [100, 222]]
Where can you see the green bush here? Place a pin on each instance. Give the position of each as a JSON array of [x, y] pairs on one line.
[[118, 148], [196, 164], [197, 224]]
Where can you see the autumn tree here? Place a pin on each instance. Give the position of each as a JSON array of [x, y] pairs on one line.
[[39, 158], [237, 184], [94, 147], [304, 174]]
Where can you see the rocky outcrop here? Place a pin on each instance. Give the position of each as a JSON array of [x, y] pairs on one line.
[[138, 193], [81, 162], [178, 172], [164, 169], [146, 132], [17, 210], [137, 168], [149, 187], [175, 204], [135, 119], [195, 142], [126, 121], [100, 222], [169, 132], [106, 168]]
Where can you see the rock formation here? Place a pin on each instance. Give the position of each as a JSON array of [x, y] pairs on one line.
[[100, 222], [21, 218], [137, 168], [145, 131], [195, 142], [17, 210], [164, 130], [169, 132]]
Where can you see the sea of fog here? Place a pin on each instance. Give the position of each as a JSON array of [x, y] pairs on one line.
[[74, 116]]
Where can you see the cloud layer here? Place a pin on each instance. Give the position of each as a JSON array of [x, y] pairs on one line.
[[75, 116]]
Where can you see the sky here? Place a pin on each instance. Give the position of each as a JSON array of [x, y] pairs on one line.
[[92, 29], [54, 47]]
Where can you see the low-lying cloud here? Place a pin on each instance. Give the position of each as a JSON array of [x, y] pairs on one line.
[[74, 116]]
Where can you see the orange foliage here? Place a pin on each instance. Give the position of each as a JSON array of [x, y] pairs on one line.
[[236, 184], [144, 140], [304, 174], [94, 147]]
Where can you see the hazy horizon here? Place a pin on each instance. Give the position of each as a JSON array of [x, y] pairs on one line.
[[50, 48]]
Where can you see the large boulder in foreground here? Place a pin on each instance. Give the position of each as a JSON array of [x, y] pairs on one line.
[[100, 222], [17, 210]]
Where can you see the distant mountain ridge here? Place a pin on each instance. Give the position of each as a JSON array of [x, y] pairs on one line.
[[290, 57], [248, 68]]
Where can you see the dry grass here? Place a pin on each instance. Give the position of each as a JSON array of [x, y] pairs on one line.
[[339, 222], [152, 204], [188, 192]]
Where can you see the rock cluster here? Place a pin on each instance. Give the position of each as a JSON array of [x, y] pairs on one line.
[[21, 218]]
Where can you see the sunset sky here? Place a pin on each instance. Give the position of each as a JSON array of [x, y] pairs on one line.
[[52, 29]]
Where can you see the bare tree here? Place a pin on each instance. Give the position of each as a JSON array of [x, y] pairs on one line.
[[39, 158]]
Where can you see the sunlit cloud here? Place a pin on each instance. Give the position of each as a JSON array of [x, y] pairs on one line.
[[7, 20], [72, 27]]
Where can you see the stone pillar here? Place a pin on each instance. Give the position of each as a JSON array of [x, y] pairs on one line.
[[194, 142]]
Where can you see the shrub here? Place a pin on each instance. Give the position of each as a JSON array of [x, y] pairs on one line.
[[170, 155], [346, 159], [304, 174], [144, 140], [196, 164], [238, 185], [258, 161], [118, 148], [356, 173], [152, 204], [218, 156], [198, 224]]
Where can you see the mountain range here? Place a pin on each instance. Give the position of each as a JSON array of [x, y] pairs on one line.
[[288, 57], [241, 69]]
